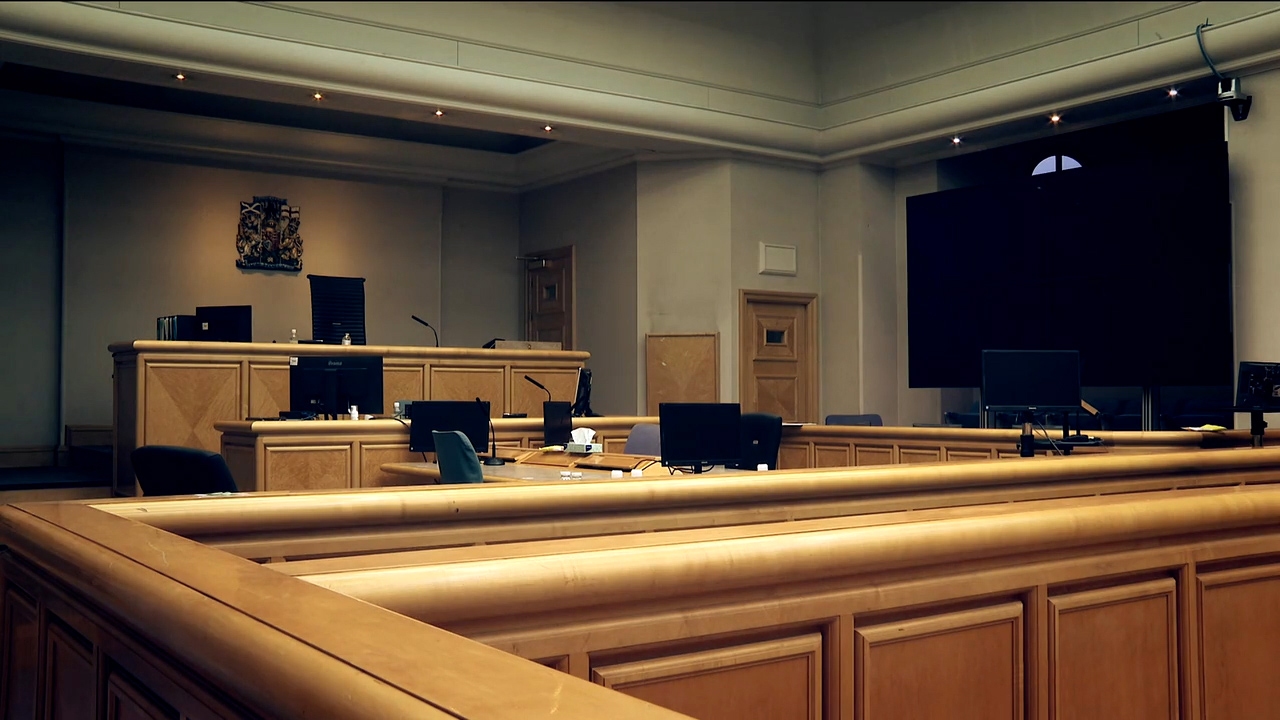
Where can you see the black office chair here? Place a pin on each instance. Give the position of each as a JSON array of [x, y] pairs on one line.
[[456, 458], [870, 419], [761, 438], [164, 470]]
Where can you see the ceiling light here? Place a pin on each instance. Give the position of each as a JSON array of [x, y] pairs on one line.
[[955, 140], [439, 113], [1173, 92], [318, 96], [179, 76], [547, 128], [1055, 118]]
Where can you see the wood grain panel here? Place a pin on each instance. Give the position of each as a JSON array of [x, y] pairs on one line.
[[615, 445], [268, 389], [373, 456], [1114, 653], [401, 382], [918, 455], [185, 400], [964, 664], [527, 398], [488, 384], [863, 455], [71, 688], [125, 701], [21, 655], [310, 468], [831, 456], [774, 680], [243, 465], [1238, 659], [681, 367], [967, 455], [792, 456]]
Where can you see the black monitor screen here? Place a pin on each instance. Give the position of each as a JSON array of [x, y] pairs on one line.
[[557, 423], [1021, 379], [700, 433], [225, 323], [328, 385], [1258, 386], [470, 417]]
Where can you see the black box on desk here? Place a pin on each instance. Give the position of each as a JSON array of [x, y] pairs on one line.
[[177, 327]]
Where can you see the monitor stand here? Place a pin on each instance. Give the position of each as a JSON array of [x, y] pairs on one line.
[[1027, 443], [1257, 427]]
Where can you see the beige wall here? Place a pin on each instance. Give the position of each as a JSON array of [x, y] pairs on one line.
[[479, 275], [31, 255], [595, 214], [146, 238]]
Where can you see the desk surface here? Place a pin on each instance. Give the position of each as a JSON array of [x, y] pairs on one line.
[[511, 472]]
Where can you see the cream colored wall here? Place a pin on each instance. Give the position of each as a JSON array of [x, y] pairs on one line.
[[684, 270], [595, 214], [480, 278], [31, 255], [146, 238]]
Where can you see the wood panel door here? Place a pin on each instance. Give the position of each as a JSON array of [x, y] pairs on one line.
[[549, 301], [778, 354]]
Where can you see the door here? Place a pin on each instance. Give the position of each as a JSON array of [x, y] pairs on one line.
[[778, 354], [549, 296]]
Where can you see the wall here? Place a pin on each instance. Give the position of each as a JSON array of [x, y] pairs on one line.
[[480, 278], [31, 253], [146, 238], [595, 214]]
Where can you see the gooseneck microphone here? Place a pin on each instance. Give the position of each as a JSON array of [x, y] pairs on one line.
[[540, 385], [493, 459], [433, 330]]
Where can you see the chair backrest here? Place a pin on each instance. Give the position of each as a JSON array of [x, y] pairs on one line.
[[165, 470], [869, 419], [761, 438], [644, 439], [456, 458], [337, 308]]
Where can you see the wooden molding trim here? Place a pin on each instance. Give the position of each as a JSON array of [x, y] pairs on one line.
[[20, 457]]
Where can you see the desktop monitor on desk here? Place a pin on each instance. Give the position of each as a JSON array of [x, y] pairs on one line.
[[1258, 387], [225, 323], [692, 435], [325, 385], [1029, 382], [557, 423], [470, 417]]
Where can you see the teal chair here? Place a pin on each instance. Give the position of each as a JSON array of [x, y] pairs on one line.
[[456, 458]]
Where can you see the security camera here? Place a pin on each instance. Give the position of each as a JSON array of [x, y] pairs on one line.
[[1230, 95]]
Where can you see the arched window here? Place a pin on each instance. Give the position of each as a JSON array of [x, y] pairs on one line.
[[1053, 163]]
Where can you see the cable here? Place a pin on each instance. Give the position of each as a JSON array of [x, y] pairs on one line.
[[1200, 39], [1049, 437], [402, 422]]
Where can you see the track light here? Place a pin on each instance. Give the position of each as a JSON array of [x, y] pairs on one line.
[[1055, 118], [955, 140], [1173, 93], [318, 96], [547, 128], [439, 112], [179, 77]]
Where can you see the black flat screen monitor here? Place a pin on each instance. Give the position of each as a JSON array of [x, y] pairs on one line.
[[697, 434], [470, 417], [337, 309], [329, 385], [582, 398], [225, 323], [557, 423], [1258, 387], [1031, 379]]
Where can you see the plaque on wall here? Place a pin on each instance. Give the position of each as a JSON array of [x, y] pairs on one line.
[[267, 238]]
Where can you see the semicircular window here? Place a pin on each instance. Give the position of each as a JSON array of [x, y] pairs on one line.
[[1054, 163]]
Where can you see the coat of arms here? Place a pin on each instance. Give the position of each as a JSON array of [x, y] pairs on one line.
[[268, 238]]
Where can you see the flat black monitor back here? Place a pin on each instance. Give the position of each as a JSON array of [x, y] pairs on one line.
[[328, 385], [700, 433], [1258, 387], [1024, 379], [557, 423], [337, 309], [470, 417], [225, 323]]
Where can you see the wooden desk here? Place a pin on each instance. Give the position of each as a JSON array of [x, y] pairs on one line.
[[174, 393], [424, 473], [539, 466]]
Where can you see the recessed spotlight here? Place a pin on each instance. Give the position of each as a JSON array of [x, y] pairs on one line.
[[955, 140], [439, 113], [179, 76], [1173, 92], [1055, 118], [318, 95], [547, 128]]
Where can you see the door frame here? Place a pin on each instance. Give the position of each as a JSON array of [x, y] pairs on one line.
[[746, 341], [571, 252]]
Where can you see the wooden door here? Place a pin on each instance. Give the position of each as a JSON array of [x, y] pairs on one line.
[[778, 354], [549, 296]]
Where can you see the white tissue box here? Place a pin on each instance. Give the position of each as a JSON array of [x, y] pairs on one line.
[[575, 448]]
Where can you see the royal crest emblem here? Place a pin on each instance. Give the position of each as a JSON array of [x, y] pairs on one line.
[[268, 238]]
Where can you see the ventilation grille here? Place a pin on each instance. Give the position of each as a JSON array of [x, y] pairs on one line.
[[337, 309]]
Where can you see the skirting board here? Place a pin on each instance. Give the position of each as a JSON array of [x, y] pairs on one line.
[[14, 457]]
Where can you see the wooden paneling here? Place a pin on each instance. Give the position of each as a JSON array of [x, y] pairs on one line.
[[863, 455], [615, 445], [372, 458], [125, 701], [967, 455], [1113, 653], [1238, 658], [401, 382], [185, 400], [243, 463], [919, 455], [774, 680], [268, 389], [21, 656], [825, 456], [71, 688], [527, 398], [681, 367], [964, 664], [488, 384], [550, 300], [793, 456], [307, 468]]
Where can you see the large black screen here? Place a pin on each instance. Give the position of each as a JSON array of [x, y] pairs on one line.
[[1130, 265]]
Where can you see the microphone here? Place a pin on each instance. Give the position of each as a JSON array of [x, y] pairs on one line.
[[493, 459], [540, 385], [433, 330]]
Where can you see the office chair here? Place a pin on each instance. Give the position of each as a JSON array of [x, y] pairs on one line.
[[456, 458], [644, 439], [870, 420], [164, 470], [761, 438]]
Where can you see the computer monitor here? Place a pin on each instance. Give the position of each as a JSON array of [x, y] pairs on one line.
[[695, 434], [225, 323], [557, 423], [1258, 387], [470, 417], [582, 398], [327, 385], [1034, 380], [337, 309]]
